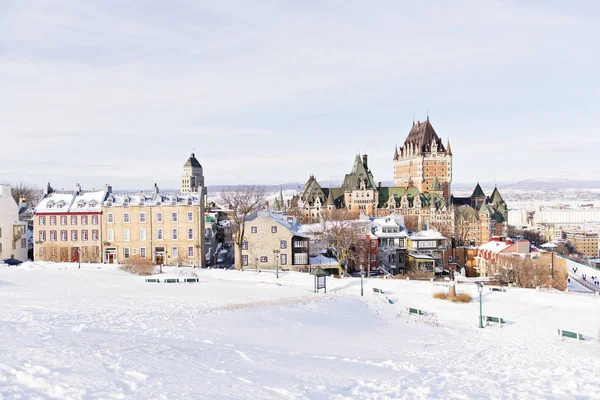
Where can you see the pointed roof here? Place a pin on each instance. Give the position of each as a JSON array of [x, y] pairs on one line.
[[422, 135], [448, 149], [478, 192], [485, 209], [329, 201], [358, 173], [395, 152], [436, 185], [192, 162], [496, 198]]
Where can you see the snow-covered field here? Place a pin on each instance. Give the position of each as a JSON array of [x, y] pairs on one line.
[[99, 333]]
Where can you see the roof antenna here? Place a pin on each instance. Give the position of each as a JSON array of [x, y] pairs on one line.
[[413, 118], [427, 113]]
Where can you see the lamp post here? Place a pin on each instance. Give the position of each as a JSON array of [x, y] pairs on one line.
[[276, 256], [480, 290], [362, 273], [79, 257]]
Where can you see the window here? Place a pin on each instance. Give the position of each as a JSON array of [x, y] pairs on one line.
[[373, 257], [110, 218], [244, 260], [273, 229], [142, 218], [126, 235], [190, 235], [134, 251], [174, 233], [84, 220], [95, 234], [159, 234], [264, 259], [126, 219], [244, 245], [158, 217], [174, 217], [142, 235], [175, 253], [283, 244], [84, 252], [110, 235], [42, 220], [300, 258], [142, 252], [449, 258], [191, 252], [63, 236], [96, 252], [253, 229], [53, 236], [53, 220], [190, 216], [457, 258], [94, 220], [73, 236], [73, 219], [283, 259], [300, 243], [126, 252], [84, 235], [373, 244]]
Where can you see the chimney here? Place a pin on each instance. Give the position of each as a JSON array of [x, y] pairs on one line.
[[509, 241], [365, 162], [155, 188], [77, 188], [48, 189], [495, 238], [107, 189], [379, 186]]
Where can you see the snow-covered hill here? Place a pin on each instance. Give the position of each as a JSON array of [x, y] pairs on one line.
[[101, 333]]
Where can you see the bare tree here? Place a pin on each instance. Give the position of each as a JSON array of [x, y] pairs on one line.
[[343, 237], [30, 194], [465, 219], [241, 201], [411, 223]]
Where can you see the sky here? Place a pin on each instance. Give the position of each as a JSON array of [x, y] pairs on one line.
[[268, 92]]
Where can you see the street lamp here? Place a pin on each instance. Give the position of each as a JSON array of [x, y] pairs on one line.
[[276, 255], [480, 290], [79, 257], [362, 273]]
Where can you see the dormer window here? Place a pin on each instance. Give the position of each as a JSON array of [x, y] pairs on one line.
[[125, 201], [81, 204], [174, 201], [93, 203], [142, 200], [189, 201], [50, 204], [61, 204]]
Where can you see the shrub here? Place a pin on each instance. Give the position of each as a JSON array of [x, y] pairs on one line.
[[138, 266], [416, 275], [462, 298], [440, 295]]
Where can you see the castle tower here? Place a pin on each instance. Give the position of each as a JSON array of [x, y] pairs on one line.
[[423, 158], [192, 178]]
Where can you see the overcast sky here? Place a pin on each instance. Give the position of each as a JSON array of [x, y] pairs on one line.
[[269, 92]]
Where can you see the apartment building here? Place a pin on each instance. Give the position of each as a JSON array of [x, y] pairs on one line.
[[167, 228], [585, 242], [67, 225]]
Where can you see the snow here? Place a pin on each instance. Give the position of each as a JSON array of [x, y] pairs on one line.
[[98, 332], [429, 234]]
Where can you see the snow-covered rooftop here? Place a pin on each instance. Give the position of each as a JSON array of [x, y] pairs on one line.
[[429, 234], [71, 201]]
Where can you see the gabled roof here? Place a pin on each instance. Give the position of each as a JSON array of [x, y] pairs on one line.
[[477, 192], [436, 185], [359, 173], [496, 198], [422, 135]]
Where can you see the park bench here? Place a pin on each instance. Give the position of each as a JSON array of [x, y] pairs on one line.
[[378, 290], [285, 269], [496, 320], [568, 334], [153, 280], [191, 280], [389, 300], [415, 311], [497, 289], [171, 280]]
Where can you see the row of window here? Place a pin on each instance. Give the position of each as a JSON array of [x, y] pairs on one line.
[[110, 234], [264, 259], [282, 244], [64, 235], [128, 252], [52, 252], [14, 245], [110, 217], [64, 219], [254, 229]]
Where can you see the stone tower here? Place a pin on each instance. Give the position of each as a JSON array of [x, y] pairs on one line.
[[192, 178], [422, 160]]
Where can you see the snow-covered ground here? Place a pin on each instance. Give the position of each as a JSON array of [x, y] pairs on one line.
[[101, 333]]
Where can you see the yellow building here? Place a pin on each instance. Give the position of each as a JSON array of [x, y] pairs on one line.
[[585, 243], [167, 228]]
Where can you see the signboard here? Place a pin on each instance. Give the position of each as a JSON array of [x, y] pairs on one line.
[[320, 282], [426, 244]]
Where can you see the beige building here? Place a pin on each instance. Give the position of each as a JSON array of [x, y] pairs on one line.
[[67, 225], [585, 242], [167, 228], [272, 241], [13, 233]]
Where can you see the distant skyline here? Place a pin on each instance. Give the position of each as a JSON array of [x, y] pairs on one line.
[[270, 92]]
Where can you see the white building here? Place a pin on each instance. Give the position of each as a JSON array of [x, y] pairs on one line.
[[391, 238], [192, 178], [13, 233]]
